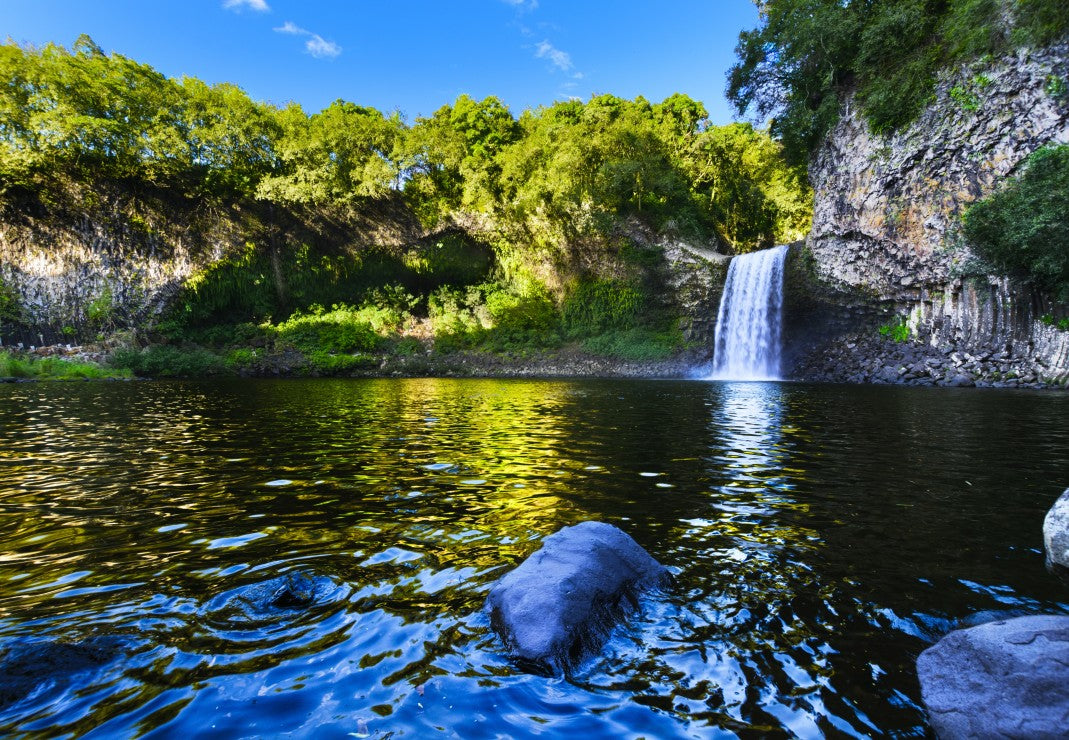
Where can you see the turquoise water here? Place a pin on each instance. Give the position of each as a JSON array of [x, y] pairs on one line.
[[820, 537]]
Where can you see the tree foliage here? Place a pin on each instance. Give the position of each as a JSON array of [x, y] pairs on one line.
[[553, 174], [805, 55], [1023, 229]]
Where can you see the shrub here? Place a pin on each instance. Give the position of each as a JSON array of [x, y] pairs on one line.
[[897, 330], [325, 363], [52, 368], [242, 358], [520, 314], [101, 310], [342, 329], [453, 316], [1023, 229], [1059, 324], [163, 361], [599, 306], [636, 344], [10, 311]]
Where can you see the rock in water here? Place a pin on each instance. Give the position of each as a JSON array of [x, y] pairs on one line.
[[1056, 532], [1002, 679], [35, 666], [561, 602]]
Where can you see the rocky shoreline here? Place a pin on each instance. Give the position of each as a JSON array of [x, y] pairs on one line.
[[856, 358], [880, 360]]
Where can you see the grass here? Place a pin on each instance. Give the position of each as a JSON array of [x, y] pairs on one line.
[[16, 365]]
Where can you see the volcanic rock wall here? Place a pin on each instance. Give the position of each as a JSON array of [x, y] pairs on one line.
[[888, 210]]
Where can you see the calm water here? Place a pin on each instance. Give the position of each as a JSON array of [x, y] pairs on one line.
[[821, 538]]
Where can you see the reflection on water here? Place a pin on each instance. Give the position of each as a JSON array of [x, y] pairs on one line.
[[256, 558]]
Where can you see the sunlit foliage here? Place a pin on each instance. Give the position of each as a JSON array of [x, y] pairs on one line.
[[805, 55]]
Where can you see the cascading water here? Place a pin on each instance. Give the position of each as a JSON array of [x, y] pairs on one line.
[[749, 322]]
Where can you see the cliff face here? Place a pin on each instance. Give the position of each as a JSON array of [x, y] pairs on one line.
[[76, 252], [81, 258], [887, 210]]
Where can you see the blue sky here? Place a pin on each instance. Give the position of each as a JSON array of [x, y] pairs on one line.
[[413, 55]]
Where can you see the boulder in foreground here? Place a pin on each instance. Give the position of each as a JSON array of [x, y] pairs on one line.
[[561, 602], [1002, 679], [1056, 533]]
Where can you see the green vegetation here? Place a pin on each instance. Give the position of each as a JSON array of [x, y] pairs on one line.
[[471, 229], [572, 168], [16, 365], [1023, 229], [1059, 324], [168, 362], [10, 311], [807, 54], [898, 330]]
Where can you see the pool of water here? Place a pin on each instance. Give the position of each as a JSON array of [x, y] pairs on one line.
[[821, 537]]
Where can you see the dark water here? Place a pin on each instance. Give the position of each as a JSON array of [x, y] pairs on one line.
[[821, 538]]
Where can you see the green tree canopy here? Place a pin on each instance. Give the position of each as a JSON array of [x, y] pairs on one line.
[[796, 66]]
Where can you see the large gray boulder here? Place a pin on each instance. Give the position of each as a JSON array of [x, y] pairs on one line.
[[561, 602], [1056, 532], [1008, 678]]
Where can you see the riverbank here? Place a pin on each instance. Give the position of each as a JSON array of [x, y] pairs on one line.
[[56, 363], [880, 359], [63, 362], [854, 359]]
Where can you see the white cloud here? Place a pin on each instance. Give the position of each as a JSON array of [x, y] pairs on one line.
[[314, 44], [289, 27], [523, 4], [260, 6], [319, 47], [562, 60]]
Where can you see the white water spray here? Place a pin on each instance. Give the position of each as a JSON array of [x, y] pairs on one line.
[[749, 324]]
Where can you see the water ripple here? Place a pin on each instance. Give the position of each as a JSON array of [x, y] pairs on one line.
[[313, 557]]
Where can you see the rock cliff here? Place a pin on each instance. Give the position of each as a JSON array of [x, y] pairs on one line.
[[82, 258], [887, 209]]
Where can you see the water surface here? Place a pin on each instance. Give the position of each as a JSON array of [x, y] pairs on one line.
[[821, 537]]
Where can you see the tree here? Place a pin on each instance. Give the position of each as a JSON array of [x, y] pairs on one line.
[[341, 154], [453, 155]]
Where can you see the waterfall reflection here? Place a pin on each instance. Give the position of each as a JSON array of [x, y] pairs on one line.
[[751, 605], [752, 461]]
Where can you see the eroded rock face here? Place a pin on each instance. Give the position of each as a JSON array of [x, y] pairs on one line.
[[1002, 679], [1056, 533], [887, 210], [561, 602]]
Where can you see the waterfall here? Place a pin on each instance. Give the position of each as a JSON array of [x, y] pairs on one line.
[[749, 322]]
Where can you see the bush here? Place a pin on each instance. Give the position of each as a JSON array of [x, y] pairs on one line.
[[1023, 229], [52, 368], [514, 314], [10, 311], [325, 363], [242, 358], [101, 310], [636, 344], [342, 329], [897, 330], [168, 362], [599, 306]]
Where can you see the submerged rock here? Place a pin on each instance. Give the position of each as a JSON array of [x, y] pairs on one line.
[[270, 599], [1008, 678], [32, 666], [1056, 534], [561, 602]]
